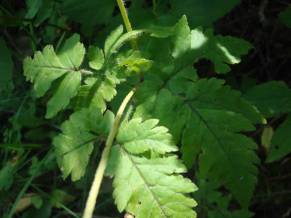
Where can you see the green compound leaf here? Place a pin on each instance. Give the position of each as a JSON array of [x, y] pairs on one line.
[[281, 143], [146, 172], [212, 120], [205, 115], [46, 67], [75, 144]]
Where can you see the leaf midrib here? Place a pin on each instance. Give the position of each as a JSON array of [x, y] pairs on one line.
[[145, 181]]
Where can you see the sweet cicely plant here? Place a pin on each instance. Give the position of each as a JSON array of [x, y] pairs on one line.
[[141, 98], [139, 154]]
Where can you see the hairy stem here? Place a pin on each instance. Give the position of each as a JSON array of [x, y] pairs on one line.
[[126, 21], [91, 200]]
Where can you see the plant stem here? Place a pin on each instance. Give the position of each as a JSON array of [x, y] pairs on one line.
[[128, 27], [124, 15], [126, 21], [95, 187], [91, 200]]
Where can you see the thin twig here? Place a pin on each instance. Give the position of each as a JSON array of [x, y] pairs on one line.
[[126, 21]]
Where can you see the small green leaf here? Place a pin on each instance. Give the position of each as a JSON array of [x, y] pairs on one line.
[[47, 66], [66, 90], [72, 52], [75, 144], [133, 63], [96, 57], [138, 137], [102, 92]]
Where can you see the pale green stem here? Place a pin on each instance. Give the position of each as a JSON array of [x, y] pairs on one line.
[[91, 200], [95, 187], [126, 21], [128, 27]]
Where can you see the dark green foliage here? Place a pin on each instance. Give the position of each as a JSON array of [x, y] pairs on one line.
[[6, 67]]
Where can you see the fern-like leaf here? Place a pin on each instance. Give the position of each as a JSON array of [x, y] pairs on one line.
[[209, 124], [146, 172], [208, 116], [76, 142], [47, 66]]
